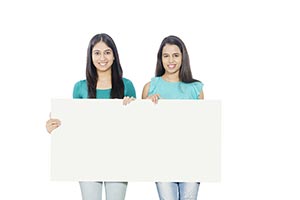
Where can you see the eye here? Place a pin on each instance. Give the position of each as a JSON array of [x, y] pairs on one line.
[[176, 55], [165, 55], [107, 52], [96, 53]]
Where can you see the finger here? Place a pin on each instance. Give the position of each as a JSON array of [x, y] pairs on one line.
[[153, 98], [53, 122], [125, 99], [156, 99], [131, 99], [52, 126], [48, 123], [57, 122]]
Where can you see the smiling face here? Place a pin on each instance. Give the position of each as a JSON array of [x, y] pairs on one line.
[[171, 58], [102, 56]]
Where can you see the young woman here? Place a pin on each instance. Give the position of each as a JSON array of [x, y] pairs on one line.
[[173, 80], [103, 81]]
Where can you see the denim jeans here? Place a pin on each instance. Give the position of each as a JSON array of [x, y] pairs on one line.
[[177, 190], [93, 190]]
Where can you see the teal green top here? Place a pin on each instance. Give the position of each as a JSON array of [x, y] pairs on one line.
[[174, 90], [80, 90]]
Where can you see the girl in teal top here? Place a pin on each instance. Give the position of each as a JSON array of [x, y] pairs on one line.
[[174, 90], [173, 80], [81, 91], [103, 81]]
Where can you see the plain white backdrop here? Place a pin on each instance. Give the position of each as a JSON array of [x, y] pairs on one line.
[[245, 52]]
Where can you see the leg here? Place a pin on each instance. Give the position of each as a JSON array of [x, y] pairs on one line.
[[167, 190], [188, 191], [115, 190], [91, 190]]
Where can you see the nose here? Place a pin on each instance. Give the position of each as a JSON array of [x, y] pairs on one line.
[[102, 56], [171, 59]]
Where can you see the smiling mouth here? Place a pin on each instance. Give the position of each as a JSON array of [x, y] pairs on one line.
[[172, 66], [102, 64]]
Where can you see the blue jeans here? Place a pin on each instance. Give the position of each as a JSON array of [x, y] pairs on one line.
[[93, 190], [177, 190]]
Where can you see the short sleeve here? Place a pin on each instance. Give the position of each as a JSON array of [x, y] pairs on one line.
[[79, 89], [197, 87], [129, 89], [153, 85]]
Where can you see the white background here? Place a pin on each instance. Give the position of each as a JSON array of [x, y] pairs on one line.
[[245, 52]]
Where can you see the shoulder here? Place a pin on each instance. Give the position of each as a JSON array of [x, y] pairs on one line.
[[197, 84], [127, 81], [129, 89], [197, 87], [80, 89], [80, 84], [155, 79], [194, 87], [147, 85]]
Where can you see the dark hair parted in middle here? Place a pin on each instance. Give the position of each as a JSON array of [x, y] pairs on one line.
[[185, 73], [117, 90]]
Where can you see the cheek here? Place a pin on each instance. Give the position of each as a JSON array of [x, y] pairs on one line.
[[179, 60], [164, 64], [111, 60]]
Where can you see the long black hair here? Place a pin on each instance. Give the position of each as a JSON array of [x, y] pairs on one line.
[[117, 90], [185, 73]]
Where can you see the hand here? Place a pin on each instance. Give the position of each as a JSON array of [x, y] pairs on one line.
[[127, 100], [52, 124], [154, 98]]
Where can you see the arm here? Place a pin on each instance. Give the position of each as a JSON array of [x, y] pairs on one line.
[[129, 92], [145, 91], [201, 95], [154, 98]]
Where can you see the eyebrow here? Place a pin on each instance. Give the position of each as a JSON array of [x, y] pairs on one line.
[[106, 50], [167, 53]]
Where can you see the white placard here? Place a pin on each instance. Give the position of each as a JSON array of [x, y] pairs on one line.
[[101, 139]]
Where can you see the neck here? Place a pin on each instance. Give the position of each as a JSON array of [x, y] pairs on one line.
[[104, 80], [171, 77], [102, 76]]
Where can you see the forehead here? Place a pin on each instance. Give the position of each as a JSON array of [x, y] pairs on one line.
[[101, 46], [171, 48]]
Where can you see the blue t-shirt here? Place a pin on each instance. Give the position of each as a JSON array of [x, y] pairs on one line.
[[174, 90], [80, 90]]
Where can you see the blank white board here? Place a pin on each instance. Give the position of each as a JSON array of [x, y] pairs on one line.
[[103, 140]]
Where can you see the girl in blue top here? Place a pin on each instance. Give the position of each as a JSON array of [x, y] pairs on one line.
[[103, 81], [173, 80]]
